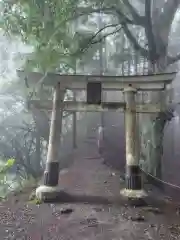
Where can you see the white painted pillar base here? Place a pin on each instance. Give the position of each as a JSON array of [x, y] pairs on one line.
[[134, 194], [47, 193]]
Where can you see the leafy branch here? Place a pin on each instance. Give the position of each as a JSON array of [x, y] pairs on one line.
[[3, 176]]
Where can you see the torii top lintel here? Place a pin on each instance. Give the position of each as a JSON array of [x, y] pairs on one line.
[[79, 82]]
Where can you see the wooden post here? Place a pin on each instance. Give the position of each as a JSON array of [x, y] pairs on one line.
[[51, 174], [74, 124], [138, 146], [103, 114], [101, 129], [133, 172], [100, 133], [133, 178], [50, 191]]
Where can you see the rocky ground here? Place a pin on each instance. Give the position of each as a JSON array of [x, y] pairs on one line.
[[98, 213]]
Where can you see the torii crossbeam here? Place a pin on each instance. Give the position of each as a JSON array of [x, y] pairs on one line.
[[94, 86]]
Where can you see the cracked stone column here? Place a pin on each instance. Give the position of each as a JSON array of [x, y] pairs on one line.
[[133, 187], [51, 174]]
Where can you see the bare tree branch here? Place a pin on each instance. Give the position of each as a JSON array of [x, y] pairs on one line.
[[136, 17], [133, 40], [91, 41], [99, 31], [105, 36]]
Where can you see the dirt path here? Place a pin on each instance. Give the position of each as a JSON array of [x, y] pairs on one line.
[[96, 220]]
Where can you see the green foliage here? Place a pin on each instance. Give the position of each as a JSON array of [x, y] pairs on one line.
[[7, 166], [44, 25], [4, 186], [49, 27]]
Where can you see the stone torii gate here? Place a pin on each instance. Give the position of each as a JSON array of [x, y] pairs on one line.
[[95, 85]]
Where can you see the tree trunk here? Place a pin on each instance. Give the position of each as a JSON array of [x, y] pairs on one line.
[[152, 127], [152, 133]]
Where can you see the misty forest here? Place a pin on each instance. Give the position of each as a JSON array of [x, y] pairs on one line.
[[117, 37]]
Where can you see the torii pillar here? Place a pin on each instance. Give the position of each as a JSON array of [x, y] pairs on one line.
[[49, 190], [133, 188]]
